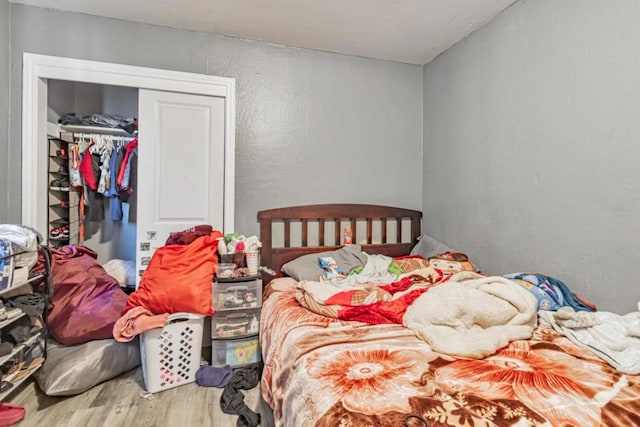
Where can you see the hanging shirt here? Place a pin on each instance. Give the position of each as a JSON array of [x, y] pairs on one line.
[[102, 149], [116, 205], [86, 170]]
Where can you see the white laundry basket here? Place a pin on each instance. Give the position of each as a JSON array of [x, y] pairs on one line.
[[171, 355]]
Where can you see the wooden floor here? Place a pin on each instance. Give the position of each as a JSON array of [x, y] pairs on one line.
[[121, 402]]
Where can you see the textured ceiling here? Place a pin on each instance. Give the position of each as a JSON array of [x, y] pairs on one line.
[[412, 31]]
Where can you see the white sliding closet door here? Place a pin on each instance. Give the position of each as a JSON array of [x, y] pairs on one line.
[[181, 164]]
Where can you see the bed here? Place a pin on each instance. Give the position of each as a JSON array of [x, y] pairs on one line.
[[324, 371]]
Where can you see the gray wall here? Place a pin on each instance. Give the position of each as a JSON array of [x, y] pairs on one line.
[[4, 103], [531, 146], [312, 127]]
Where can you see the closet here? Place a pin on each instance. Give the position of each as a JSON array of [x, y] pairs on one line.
[[78, 214], [186, 146]]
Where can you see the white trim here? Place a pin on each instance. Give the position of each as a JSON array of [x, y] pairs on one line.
[[230, 161], [92, 129], [37, 69], [52, 128]]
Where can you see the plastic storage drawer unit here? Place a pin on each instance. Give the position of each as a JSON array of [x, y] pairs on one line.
[[235, 352], [235, 323], [234, 295]]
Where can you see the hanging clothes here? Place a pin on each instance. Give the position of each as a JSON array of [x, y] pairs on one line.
[[123, 175], [75, 178], [112, 192], [132, 198], [108, 170], [86, 170], [102, 148]]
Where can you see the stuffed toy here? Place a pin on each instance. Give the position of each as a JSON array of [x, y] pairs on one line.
[[451, 263], [330, 267]]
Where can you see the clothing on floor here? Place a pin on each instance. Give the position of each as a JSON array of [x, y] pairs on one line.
[[212, 376], [232, 399]]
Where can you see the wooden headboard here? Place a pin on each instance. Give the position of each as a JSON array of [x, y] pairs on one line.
[[388, 221]]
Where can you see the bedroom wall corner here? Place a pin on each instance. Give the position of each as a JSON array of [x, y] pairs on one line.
[[530, 133], [4, 105]]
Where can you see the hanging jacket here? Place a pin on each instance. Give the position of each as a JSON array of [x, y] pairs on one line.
[[121, 173], [129, 177], [86, 169]]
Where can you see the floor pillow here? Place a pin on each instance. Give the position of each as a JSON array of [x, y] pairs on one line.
[[74, 369]]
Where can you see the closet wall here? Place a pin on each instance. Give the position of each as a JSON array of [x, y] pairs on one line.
[[110, 239]]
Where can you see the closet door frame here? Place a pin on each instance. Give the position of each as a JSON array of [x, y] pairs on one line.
[[38, 69]]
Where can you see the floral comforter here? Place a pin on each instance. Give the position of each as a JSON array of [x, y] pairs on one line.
[[326, 372]]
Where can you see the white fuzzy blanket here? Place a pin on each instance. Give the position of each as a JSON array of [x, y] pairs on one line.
[[472, 315]]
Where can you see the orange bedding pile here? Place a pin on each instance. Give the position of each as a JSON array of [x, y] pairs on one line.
[[179, 278]]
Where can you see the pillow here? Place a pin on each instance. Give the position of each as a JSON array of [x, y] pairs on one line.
[[306, 267], [428, 247], [71, 370], [123, 271]]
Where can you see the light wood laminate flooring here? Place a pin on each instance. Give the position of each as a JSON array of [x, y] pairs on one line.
[[120, 402]]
